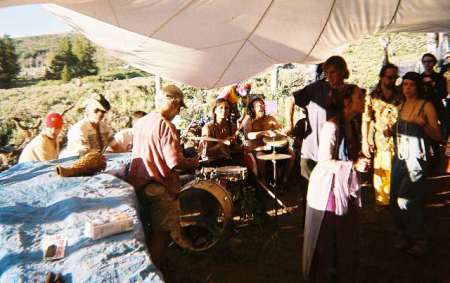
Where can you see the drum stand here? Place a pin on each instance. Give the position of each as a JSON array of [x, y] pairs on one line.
[[273, 185]]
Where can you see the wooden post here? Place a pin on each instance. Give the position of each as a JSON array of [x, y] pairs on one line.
[[158, 82], [442, 45], [432, 42]]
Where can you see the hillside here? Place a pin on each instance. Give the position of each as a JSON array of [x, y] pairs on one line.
[[33, 52], [130, 90]]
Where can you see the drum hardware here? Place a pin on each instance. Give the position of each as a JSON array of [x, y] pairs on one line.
[[228, 173], [271, 194], [273, 157]]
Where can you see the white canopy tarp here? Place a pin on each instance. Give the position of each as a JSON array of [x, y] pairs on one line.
[[209, 44]]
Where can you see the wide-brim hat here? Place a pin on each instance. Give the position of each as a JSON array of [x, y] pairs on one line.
[[98, 101]]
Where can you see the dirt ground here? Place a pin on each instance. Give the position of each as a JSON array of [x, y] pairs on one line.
[[271, 251]]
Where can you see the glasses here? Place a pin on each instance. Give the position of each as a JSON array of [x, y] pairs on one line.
[[392, 77], [99, 110]]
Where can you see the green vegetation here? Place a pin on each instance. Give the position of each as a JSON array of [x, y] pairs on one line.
[[85, 52], [72, 60], [9, 66]]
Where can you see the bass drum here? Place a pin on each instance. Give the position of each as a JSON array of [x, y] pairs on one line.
[[206, 212]]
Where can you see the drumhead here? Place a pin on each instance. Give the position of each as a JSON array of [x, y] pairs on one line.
[[206, 212], [231, 169]]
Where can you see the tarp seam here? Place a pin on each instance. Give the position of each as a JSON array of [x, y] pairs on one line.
[[243, 44], [321, 32], [166, 22], [262, 52], [218, 45]]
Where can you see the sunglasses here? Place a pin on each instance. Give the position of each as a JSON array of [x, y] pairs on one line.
[[99, 110]]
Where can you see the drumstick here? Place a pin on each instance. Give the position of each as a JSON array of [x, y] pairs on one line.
[[227, 142], [183, 135]]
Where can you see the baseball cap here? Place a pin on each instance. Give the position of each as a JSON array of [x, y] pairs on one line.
[[54, 120], [173, 91]]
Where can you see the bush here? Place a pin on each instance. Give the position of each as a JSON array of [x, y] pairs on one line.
[[9, 65]]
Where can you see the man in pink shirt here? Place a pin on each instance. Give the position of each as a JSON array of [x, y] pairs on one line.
[[157, 153]]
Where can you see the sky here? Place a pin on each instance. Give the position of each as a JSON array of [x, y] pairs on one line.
[[29, 20]]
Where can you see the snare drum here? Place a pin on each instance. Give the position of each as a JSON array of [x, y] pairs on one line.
[[206, 173], [232, 173]]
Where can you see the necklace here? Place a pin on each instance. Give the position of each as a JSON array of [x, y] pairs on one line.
[[403, 139]]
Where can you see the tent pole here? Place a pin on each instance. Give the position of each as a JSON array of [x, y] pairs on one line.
[[158, 83]]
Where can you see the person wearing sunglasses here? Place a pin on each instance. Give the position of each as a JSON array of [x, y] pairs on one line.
[[91, 133], [44, 146], [380, 111]]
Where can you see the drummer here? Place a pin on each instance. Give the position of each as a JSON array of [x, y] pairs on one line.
[[221, 127], [259, 125]]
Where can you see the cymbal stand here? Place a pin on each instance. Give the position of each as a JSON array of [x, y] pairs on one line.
[[274, 181]]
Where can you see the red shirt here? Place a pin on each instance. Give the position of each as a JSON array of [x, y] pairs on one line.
[[156, 151]]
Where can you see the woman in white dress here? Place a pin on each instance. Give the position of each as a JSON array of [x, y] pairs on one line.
[[330, 236]]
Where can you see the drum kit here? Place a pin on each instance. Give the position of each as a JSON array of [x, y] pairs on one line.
[[207, 203]]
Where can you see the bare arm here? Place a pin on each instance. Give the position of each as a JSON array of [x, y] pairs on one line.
[[289, 114], [431, 126], [187, 164], [366, 143], [211, 148]]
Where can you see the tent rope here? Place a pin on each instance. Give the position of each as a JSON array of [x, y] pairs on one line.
[[262, 52], [394, 15], [114, 13], [321, 32]]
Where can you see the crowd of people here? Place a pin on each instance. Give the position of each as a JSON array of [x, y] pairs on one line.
[[398, 130]]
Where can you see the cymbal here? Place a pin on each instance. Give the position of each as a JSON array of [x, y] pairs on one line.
[[274, 156], [262, 148], [227, 142], [279, 141]]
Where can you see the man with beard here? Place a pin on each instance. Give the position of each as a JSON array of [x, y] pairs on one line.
[[380, 112]]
